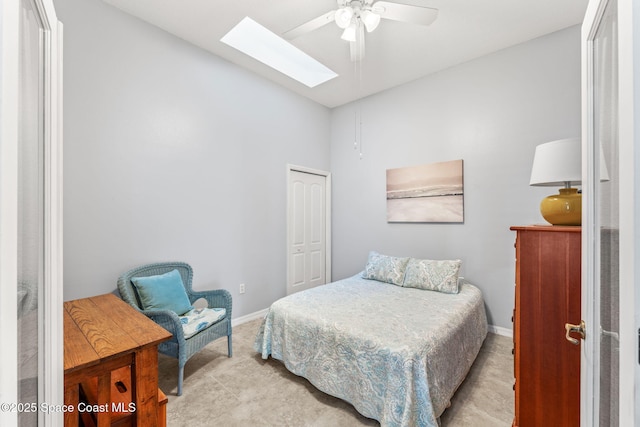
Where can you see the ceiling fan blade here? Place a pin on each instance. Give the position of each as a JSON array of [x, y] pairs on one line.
[[405, 13], [312, 25]]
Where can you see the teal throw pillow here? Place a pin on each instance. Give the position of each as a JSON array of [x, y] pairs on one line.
[[163, 292]]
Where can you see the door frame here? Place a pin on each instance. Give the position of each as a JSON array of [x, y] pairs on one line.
[[629, 210], [629, 137], [9, 83], [327, 175], [50, 298], [590, 349]]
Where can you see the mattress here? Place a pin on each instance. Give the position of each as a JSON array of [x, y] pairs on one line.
[[396, 354]]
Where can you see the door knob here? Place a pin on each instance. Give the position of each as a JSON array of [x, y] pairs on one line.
[[580, 329]]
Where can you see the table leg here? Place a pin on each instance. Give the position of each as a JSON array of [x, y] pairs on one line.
[[104, 400], [71, 399], [145, 386]]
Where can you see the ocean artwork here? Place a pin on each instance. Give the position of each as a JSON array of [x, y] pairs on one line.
[[426, 193]]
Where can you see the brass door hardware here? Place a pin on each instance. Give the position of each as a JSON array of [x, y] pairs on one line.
[[580, 329]]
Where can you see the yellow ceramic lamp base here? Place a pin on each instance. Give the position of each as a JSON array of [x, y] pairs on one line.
[[564, 208]]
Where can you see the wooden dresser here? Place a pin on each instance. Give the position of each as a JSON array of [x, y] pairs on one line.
[[547, 296]]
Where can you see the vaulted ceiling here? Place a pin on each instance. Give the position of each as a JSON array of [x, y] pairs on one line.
[[396, 52]]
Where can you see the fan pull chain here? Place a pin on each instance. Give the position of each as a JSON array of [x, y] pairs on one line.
[[360, 101], [361, 153], [355, 111], [355, 129], [357, 114]]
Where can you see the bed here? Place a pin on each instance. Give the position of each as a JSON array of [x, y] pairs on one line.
[[396, 353]]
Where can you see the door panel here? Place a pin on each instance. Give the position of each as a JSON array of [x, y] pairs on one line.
[[298, 269], [317, 266], [604, 224], [30, 203], [298, 201], [605, 71], [297, 257], [317, 213], [316, 227]]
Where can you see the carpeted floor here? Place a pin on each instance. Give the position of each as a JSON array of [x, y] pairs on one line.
[[247, 391]]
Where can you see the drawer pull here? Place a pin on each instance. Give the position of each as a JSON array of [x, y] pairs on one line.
[[122, 388]]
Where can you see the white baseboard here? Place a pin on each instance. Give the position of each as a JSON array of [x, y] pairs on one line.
[[501, 331], [249, 317]]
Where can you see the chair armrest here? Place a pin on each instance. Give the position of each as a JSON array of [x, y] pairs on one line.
[[218, 298], [168, 320]]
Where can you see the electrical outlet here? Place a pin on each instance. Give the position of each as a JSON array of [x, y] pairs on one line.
[[242, 289]]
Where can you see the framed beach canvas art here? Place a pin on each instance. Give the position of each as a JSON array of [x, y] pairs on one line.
[[426, 193]]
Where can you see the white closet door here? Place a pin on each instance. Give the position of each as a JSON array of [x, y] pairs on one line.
[[307, 230]]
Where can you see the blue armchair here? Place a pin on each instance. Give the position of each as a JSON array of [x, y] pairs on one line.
[[179, 347]]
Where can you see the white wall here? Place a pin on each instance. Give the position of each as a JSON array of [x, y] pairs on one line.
[[174, 154], [491, 112]]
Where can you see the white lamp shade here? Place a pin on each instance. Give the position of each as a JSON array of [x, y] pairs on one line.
[[349, 33], [556, 163], [343, 17], [370, 19]]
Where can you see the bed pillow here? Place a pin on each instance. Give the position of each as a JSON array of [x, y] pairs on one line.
[[163, 292], [433, 275], [384, 268]]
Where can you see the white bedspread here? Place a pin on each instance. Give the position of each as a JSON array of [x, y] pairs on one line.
[[396, 354]]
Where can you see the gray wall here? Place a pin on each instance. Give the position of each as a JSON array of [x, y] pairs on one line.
[[491, 112], [174, 154]]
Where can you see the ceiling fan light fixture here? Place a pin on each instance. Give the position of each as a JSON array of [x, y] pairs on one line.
[[349, 33], [370, 20], [343, 17], [356, 16]]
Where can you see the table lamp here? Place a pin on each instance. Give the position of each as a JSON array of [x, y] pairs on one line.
[[559, 164]]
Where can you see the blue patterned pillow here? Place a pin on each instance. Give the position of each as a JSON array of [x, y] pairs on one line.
[[384, 268], [433, 275]]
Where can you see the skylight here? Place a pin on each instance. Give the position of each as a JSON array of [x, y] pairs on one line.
[[253, 39]]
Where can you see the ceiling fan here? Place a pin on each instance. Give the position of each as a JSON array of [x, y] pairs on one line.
[[354, 16]]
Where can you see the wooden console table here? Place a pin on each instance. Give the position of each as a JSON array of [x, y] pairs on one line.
[[103, 334]]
